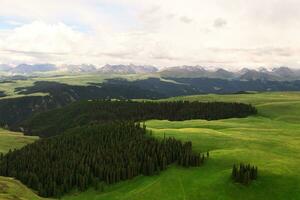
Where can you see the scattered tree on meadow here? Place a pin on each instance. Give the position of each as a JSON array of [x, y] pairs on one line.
[[244, 173]]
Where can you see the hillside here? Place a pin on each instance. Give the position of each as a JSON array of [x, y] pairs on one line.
[[13, 140], [112, 125], [95, 155], [100, 112], [269, 140], [39, 96], [10, 188]]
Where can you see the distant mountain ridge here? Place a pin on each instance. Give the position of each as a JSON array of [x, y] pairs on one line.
[[185, 71], [27, 69], [128, 69], [78, 68], [276, 74], [4, 67]]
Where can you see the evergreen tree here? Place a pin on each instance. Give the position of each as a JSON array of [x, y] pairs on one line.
[[92, 155], [244, 173]]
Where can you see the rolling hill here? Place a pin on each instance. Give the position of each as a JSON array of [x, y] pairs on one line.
[[11, 188], [269, 140]]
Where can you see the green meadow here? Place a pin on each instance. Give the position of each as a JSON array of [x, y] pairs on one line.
[[11, 189], [13, 140], [270, 140]]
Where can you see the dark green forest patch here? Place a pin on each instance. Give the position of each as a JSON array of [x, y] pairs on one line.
[[86, 156], [101, 111]]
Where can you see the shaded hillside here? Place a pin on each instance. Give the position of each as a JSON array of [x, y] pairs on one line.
[[2, 94], [163, 88], [222, 86], [155, 88], [189, 86], [14, 111], [104, 90], [86, 112]]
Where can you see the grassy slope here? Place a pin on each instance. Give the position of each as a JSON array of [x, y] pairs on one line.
[[11, 189], [11, 140], [270, 140], [75, 79]]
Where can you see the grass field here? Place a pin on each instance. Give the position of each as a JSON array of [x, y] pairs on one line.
[[11, 189], [13, 140], [270, 140]]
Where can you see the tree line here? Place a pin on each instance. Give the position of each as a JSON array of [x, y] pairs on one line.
[[92, 155], [89, 143], [100, 111]]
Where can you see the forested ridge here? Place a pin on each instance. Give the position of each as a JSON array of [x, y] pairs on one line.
[[89, 155], [100, 111]]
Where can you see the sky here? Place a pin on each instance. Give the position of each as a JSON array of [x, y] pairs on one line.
[[217, 33]]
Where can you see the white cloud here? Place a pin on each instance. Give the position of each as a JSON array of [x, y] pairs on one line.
[[170, 32], [219, 23]]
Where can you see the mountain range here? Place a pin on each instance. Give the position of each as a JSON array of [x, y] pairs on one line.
[[4, 67], [275, 74], [128, 69], [28, 69], [78, 68]]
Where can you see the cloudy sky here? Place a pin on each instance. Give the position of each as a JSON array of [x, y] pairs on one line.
[[221, 33]]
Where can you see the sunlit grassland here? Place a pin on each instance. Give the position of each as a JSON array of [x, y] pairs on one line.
[[270, 140], [11, 189], [13, 140]]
